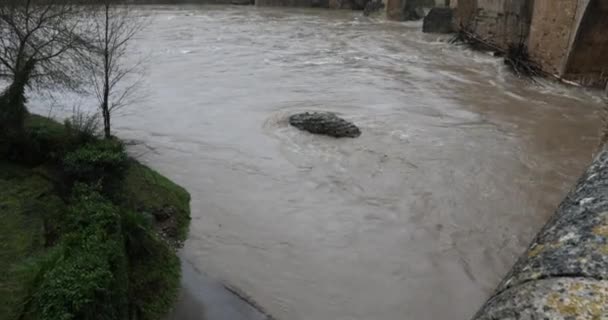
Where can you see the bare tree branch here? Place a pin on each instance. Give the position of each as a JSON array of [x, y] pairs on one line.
[[114, 80], [38, 41], [36, 32]]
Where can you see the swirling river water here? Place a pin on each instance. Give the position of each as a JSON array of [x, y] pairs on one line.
[[458, 166]]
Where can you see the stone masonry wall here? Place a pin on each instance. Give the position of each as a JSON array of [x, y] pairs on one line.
[[465, 11], [550, 33], [286, 3], [397, 9], [564, 273], [588, 59], [500, 22]]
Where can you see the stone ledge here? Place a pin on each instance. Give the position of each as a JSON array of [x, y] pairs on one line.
[[564, 272], [555, 298]]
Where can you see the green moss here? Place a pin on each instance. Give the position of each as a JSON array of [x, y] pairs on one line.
[[27, 201], [146, 191]]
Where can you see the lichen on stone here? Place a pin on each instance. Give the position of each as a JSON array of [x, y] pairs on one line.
[[555, 299], [564, 273]]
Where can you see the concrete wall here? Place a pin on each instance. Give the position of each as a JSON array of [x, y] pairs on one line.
[[398, 9], [500, 22], [394, 9], [288, 3], [465, 12], [550, 32], [587, 61], [184, 1], [568, 38]]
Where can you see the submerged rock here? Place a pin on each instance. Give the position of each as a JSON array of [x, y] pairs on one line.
[[325, 123], [439, 20], [242, 2]]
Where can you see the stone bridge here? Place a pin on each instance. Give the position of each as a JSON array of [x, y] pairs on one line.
[[569, 38]]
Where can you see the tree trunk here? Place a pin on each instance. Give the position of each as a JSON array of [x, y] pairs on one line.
[[105, 105], [106, 122], [12, 100]]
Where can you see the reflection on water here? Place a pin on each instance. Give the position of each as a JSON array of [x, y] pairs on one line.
[[458, 165]]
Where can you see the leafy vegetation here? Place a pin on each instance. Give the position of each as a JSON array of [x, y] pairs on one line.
[[154, 270], [96, 160], [89, 280], [26, 201], [74, 250], [70, 247], [145, 190]]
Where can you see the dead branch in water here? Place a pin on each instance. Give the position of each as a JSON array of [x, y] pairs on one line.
[[518, 60], [465, 37]]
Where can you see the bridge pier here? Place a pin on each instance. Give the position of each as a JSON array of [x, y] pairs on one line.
[[409, 9], [568, 38]]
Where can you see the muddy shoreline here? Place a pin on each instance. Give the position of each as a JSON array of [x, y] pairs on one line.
[[203, 298]]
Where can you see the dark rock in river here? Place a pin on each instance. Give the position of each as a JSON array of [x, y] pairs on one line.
[[242, 2], [325, 123], [358, 4], [439, 20]]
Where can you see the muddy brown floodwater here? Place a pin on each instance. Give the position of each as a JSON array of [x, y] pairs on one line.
[[458, 165]]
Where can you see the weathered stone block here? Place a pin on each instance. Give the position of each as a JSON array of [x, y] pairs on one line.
[[439, 20], [554, 298]]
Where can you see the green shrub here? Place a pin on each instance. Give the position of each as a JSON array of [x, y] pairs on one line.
[[96, 160], [82, 127], [90, 279], [38, 141], [5, 145], [111, 266], [146, 191], [92, 259], [154, 273], [79, 287], [43, 140], [91, 212], [25, 200]]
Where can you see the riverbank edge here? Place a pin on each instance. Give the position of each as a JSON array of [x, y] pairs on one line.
[[203, 297], [35, 194], [564, 272]]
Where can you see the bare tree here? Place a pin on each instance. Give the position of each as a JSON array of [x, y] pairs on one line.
[[36, 40], [114, 78]]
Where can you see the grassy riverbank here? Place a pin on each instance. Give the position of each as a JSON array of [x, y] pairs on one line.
[[86, 232]]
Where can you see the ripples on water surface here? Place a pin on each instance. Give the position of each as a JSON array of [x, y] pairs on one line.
[[458, 165]]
